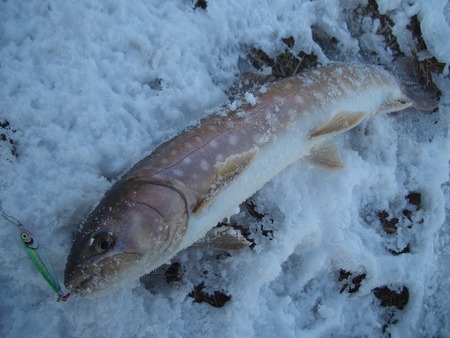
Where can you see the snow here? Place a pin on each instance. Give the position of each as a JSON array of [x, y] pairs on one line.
[[435, 28], [91, 88]]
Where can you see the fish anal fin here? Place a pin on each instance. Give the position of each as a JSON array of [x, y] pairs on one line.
[[325, 155], [225, 172], [223, 238], [341, 122]]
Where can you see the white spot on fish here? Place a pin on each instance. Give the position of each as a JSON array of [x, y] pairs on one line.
[[233, 140], [164, 161], [299, 100], [339, 71], [212, 128], [257, 138], [271, 119], [178, 172], [287, 86], [293, 114], [198, 139], [319, 96], [204, 165], [265, 137], [187, 160], [173, 152], [214, 144], [189, 145]]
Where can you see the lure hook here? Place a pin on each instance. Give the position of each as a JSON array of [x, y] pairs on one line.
[[12, 220]]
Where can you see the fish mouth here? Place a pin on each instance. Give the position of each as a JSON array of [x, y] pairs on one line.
[[105, 274]]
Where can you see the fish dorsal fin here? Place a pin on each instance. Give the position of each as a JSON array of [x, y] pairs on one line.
[[341, 122], [225, 172], [325, 155], [223, 238]]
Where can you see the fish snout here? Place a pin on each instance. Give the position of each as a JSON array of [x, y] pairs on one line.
[[84, 279]]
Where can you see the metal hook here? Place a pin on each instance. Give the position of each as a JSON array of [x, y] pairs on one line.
[[12, 220]]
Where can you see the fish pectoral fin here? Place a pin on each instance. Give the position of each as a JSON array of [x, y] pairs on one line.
[[325, 155], [343, 121], [226, 172], [223, 238]]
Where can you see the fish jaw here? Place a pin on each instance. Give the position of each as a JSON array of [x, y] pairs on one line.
[[85, 280], [129, 231]]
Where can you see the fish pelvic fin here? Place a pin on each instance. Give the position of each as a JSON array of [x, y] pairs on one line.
[[225, 172], [325, 155], [223, 238], [341, 122]]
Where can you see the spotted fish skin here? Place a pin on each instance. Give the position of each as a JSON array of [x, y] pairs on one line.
[[194, 155], [171, 198]]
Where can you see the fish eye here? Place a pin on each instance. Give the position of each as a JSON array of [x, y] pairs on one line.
[[102, 241]]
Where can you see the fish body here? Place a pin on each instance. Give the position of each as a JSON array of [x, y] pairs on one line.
[[171, 198]]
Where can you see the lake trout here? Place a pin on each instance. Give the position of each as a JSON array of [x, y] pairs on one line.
[[171, 198]]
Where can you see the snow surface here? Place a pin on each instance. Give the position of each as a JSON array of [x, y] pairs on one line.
[[90, 88]]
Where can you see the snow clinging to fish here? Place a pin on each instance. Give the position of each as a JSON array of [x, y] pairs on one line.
[[171, 198]]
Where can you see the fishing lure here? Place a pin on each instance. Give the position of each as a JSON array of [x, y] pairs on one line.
[[40, 261]]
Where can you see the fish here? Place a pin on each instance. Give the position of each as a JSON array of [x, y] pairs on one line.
[[174, 196]]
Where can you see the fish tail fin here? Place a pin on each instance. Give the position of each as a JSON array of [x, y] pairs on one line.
[[416, 81]]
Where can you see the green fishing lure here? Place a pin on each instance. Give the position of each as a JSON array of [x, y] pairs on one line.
[[39, 259]]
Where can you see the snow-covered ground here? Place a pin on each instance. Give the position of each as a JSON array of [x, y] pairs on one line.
[[88, 89]]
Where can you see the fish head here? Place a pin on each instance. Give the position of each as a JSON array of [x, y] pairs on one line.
[[131, 232]]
